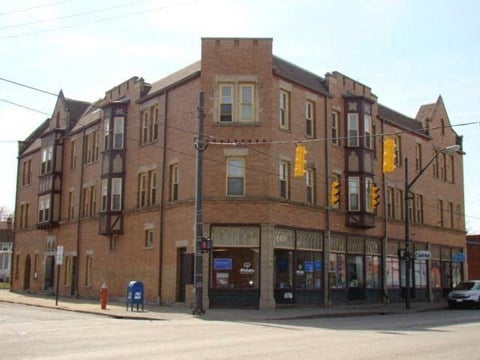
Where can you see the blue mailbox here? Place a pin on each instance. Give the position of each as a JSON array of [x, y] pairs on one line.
[[135, 294]]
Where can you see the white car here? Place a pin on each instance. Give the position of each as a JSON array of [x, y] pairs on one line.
[[467, 293]]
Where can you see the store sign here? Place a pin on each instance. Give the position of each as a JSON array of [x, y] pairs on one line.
[[458, 257], [222, 264], [247, 268], [423, 255]]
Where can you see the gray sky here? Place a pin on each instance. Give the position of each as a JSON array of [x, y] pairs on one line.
[[408, 52]]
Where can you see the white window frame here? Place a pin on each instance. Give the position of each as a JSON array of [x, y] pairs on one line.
[[367, 123], [354, 193], [309, 118], [226, 100], [335, 128], [368, 192], [104, 194], [116, 197], [284, 109], [235, 170], [310, 185], [284, 174], [44, 213], [174, 183], [118, 132], [353, 130], [247, 104]]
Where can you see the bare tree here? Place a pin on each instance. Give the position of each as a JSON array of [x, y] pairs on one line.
[[5, 213]]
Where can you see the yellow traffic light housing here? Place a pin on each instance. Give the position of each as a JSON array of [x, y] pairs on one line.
[[374, 196], [334, 193], [389, 155], [300, 152]]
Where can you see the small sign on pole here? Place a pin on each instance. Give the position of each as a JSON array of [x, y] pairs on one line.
[[59, 261]]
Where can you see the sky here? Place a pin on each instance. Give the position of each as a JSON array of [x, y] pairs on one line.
[[408, 52]]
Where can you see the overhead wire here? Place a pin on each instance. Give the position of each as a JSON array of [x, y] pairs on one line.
[[292, 184], [33, 7]]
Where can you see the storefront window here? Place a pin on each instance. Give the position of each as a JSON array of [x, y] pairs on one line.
[[393, 272], [420, 273], [355, 271], [446, 275], [457, 273], [435, 274], [284, 269], [373, 271], [235, 268], [337, 274], [308, 273]]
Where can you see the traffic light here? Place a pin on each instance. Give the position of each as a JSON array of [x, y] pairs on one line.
[[374, 196], [300, 153], [334, 192], [388, 155]]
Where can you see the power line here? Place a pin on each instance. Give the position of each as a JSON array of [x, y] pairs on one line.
[[97, 21], [33, 7], [75, 15], [24, 107]]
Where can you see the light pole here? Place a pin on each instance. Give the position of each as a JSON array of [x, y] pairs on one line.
[[408, 185]]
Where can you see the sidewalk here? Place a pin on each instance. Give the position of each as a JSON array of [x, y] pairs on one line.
[[169, 313]]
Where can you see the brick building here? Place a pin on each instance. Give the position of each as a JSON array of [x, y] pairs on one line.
[[473, 256], [113, 182]]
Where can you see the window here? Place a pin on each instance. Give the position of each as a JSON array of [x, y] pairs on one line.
[[235, 176], [71, 205], [73, 155], [389, 202], [352, 129], [44, 208], [353, 193], [152, 182], [106, 135], [435, 274], [24, 216], [309, 118], [309, 269], [369, 139], [373, 271], [89, 201], [398, 150], [393, 272], [418, 157], [118, 130], [441, 165], [284, 110], [104, 194], [398, 205], [451, 216], [93, 200], [435, 166], [458, 216], [149, 125], [116, 204], [148, 238], [88, 270], [246, 102], [355, 271], [418, 208], [27, 172], [147, 188], [335, 128], [310, 184], [174, 182], [337, 277], [226, 103], [91, 148], [284, 174], [420, 268], [440, 212], [47, 158], [142, 190]]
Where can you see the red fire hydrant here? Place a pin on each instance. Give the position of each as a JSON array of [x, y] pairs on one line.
[[103, 296]]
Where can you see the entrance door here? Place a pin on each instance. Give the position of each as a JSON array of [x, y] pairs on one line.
[[26, 275], [184, 272], [283, 276], [49, 272]]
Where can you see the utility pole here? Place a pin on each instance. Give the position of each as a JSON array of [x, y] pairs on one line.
[[200, 146]]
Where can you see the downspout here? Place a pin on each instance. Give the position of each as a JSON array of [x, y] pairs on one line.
[[13, 262], [79, 208], [162, 195]]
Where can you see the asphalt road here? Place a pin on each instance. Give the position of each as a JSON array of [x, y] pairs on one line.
[[28, 332]]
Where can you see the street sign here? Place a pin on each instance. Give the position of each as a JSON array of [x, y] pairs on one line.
[[422, 255], [59, 256]]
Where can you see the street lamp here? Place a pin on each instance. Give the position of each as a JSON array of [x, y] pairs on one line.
[[408, 185]]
